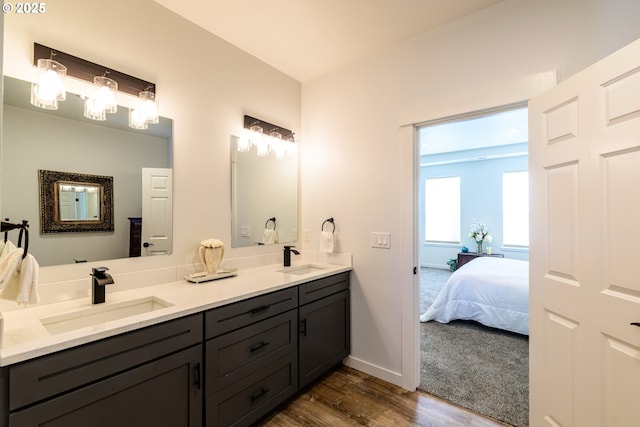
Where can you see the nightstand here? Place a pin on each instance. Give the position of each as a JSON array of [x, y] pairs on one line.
[[465, 257]]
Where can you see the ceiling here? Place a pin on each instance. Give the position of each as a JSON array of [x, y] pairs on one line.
[[307, 38]]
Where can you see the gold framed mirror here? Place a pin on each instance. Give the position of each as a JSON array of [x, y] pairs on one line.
[[75, 202]]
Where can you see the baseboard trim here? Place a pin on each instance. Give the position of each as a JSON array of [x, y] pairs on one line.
[[392, 377], [440, 266]]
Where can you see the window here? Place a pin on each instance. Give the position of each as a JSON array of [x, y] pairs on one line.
[[515, 208], [442, 209]]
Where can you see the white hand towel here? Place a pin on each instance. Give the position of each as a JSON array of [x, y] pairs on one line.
[[5, 248], [269, 237], [326, 241], [19, 278]]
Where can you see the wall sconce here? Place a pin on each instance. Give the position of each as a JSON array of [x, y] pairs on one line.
[[107, 84], [267, 138]]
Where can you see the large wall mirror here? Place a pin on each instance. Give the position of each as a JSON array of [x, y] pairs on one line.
[[264, 197], [64, 141]]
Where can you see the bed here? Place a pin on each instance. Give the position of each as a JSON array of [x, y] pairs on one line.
[[490, 290]]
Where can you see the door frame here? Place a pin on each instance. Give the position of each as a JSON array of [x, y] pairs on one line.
[[503, 93]]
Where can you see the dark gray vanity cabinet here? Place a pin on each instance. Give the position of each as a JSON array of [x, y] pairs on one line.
[[325, 326], [152, 376], [251, 355], [230, 365]]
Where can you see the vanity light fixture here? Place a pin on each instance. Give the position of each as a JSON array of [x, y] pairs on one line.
[[108, 83], [279, 140], [49, 86]]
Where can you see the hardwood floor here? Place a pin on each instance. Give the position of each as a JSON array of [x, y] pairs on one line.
[[348, 397]]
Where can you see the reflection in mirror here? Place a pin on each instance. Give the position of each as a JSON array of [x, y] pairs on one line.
[[79, 201], [264, 193], [64, 140], [74, 202]]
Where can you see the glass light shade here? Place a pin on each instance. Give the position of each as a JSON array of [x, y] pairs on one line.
[[275, 135], [105, 94], [262, 148], [94, 110], [255, 135], [49, 86], [137, 120], [243, 144], [149, 106], [279, 147]]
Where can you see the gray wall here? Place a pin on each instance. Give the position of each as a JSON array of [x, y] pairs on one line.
[[35, 140]]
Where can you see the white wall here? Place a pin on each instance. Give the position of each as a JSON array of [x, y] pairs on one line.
[[356, 157], [204, 84]]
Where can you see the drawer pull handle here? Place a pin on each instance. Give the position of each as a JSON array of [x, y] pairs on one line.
[[259, 310], [258, 394], [196, 375], [259, 346], [303, 327], [635, 324]]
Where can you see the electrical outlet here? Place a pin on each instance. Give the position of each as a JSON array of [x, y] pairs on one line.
[[380, 240], [307, 235]]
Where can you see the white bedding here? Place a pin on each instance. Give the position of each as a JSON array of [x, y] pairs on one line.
[[490, 290]]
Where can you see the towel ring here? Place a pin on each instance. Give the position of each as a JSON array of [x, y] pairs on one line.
[[24, 230], [332, 223], [266, 224]]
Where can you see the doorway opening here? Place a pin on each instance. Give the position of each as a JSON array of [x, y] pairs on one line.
[[473, 206]]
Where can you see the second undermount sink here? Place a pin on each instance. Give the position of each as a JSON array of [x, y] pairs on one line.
[[302, 269], [102, 313]]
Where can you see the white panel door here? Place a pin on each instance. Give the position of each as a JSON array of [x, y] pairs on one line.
[[584, 155], [157, 212]]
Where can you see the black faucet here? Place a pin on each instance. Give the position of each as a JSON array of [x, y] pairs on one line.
[[287, 255], [99, 281]]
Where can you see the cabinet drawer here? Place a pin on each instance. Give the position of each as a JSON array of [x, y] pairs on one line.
[[38, 379], [237, 315], [247, 400], [157, 393], [323, 287], [236, 355]]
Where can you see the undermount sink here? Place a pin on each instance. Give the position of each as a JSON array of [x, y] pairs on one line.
[[102, 313], [302, 269]]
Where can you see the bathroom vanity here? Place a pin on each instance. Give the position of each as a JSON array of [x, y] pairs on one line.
[[222, 363]]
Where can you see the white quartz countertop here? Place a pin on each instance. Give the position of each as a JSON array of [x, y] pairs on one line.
[[25, 337]]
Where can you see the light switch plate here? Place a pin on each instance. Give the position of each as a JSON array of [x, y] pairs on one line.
[[380, 240]]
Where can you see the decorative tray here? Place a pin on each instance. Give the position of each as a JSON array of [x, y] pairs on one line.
[[202, 277]]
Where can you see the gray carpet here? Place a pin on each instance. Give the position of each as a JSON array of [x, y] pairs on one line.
[[480, 368]]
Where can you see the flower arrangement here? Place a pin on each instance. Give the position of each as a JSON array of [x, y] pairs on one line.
[[479, 233], [212, 243]]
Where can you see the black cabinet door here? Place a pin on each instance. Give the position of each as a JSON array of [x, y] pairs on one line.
[[165, 392], [324, 336]]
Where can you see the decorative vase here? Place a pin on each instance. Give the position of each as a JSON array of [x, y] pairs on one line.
[[211, 258], [479, 250]]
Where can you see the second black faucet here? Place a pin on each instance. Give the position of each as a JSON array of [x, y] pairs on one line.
[[287, 255], [99, 281]]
